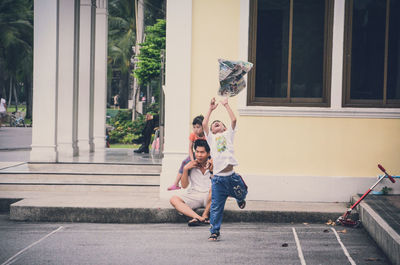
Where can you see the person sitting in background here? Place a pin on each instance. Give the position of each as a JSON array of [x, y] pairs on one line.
[[151, 123]]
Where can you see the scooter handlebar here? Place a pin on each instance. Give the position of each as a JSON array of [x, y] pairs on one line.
[[384, 171]]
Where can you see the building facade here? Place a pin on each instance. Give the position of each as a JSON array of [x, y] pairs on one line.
[[316, 118]]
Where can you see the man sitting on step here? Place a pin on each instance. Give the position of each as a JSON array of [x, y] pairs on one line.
[[197, 173]]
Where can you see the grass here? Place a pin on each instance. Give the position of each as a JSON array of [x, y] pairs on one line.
[[112, 112], [128, 146], [12, 108]]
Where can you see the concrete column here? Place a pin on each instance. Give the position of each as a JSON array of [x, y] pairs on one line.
[[100, 82], [86, 76], [67, 74], [44, 137], [178, 83]]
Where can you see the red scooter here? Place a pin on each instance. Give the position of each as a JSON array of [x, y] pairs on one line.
[[344, 220]]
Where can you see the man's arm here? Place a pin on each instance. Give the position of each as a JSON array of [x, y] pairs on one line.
[[230, 112], [212, 107], [185, 174]]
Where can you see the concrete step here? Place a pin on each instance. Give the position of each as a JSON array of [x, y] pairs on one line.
[[71, 193], [82, 169], [134, 209], [73, 179], [82, 189], [384, 235]]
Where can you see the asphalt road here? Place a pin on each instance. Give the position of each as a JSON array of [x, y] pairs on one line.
[[240, 243]]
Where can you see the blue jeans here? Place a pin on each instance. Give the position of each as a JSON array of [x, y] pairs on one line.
[[222, 187]]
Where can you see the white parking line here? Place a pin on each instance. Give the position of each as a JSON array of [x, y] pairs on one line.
[[343, 247], [296, 238], [14, 258]]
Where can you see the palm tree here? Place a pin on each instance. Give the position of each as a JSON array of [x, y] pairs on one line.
[[16, 42], [121, 39]]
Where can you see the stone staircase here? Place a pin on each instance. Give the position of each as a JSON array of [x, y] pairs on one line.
[[28, 180]]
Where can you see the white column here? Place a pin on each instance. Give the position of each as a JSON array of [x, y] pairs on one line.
[[100, 82], [85, 111], [44, 136], [66, 140], [337, 54], [178, 72]]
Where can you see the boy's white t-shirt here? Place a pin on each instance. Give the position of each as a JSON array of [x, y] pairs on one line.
[[222, 151]]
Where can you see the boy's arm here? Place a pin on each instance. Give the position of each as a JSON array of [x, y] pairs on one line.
[[230, 112], [213, 106]]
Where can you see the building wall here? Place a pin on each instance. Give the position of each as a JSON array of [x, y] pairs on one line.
[[324, 157]]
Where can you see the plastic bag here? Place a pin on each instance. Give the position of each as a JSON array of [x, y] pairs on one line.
[[231, 75]]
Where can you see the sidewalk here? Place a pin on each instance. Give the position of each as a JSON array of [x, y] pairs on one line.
[[15, 138], [90, 192]]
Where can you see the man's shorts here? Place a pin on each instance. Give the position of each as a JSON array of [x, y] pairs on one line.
[[195, 199]]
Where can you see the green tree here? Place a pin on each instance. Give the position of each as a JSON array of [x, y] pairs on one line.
[[149, 64], [16, 52], [121, 39]]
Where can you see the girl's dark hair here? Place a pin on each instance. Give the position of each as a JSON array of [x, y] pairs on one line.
[[198, 120], [202, 142]]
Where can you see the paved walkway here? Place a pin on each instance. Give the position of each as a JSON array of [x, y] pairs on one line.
[[15, 138], [15, 145]]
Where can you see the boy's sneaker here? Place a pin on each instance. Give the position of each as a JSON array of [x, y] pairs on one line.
[[174, 187], [241, 204]]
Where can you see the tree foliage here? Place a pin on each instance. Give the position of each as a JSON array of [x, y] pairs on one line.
[[149, 64], [122, 36], [16, 45], [121, 32]]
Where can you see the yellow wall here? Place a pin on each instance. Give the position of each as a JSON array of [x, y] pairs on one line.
[[318, 146], [295, 146], [214, 35]]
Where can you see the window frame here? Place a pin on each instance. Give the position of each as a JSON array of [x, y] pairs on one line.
[[325, 100], [363, 103]]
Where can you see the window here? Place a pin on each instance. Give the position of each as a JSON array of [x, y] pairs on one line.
[[290, 45], [372, 54]]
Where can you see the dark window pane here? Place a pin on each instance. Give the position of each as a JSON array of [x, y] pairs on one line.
[[393, 86], [272, 48], [308, 48], [368, 49]]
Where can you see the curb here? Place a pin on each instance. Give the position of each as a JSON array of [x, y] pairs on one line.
[[15, 149], [155, 215], [385, 237]]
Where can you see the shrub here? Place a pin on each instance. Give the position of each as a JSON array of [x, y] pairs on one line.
[[125, 130]]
